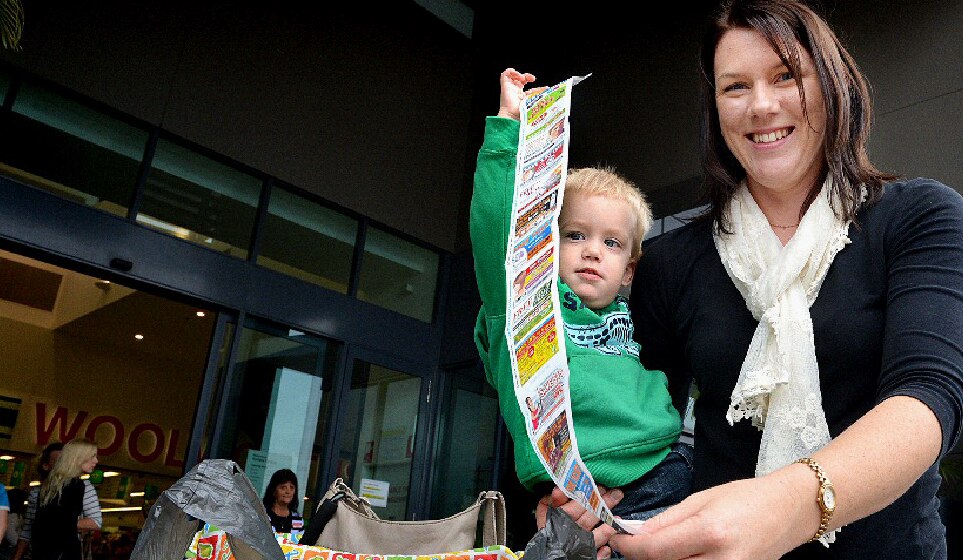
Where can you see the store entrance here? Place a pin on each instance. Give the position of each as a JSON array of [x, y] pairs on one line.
[[84, 357]]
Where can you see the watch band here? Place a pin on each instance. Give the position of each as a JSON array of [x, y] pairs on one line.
[[825, 497]]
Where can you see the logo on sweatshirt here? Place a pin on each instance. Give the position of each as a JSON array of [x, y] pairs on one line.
[[613, 336]]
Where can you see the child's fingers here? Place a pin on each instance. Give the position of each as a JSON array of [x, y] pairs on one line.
[[541, 510]]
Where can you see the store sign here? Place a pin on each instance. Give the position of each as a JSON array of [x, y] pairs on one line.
[[145, 443]]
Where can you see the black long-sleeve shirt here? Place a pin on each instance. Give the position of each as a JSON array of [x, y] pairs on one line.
[[888, 321]]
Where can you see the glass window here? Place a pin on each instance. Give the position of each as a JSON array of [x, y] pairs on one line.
[[198, 199], [398, 275], [63, 147], [278, 406], [377, 438], [308, 241], [465, 452]]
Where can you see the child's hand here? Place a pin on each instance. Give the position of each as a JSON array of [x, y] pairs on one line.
[[513, 85], [584, 518]]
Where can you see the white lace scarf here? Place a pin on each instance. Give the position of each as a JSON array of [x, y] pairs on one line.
[[778, 386]]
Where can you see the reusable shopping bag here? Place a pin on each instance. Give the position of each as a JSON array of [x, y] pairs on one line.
[[346, 522], [210, 543]]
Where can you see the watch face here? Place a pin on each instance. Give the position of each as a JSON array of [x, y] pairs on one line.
[[829, 498]]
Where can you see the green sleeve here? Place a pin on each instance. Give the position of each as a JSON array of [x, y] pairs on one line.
[[491, 207]]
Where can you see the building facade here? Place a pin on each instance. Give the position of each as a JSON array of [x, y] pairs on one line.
[[228, 232]]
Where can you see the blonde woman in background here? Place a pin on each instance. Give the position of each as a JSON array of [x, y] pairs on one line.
[[48, 457], [67, 504]]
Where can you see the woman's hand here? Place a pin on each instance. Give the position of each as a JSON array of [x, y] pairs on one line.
[[87, 524], [583, 517], [745, 519], [513, 85]]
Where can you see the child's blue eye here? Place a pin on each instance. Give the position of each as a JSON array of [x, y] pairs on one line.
[[785, 76], [575, 235], [613, 243]]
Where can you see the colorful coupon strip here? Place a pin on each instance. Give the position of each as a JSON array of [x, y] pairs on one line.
[[536, 331]]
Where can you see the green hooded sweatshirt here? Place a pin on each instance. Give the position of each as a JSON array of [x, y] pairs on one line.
[[622, 413]]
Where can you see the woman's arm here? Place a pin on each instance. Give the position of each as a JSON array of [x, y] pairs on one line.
[[91, 519], [27, 530], [870, 465]]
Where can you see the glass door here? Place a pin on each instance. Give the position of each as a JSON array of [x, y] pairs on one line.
[[88, 357], [466, 442], [380, 428], [274, 412]]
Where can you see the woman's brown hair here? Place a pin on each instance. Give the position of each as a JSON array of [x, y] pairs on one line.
[[788, 26]]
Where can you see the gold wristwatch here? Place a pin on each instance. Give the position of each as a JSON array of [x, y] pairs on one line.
[[825, 497]]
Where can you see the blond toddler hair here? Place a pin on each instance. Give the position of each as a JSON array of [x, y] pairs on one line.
[[605, 181]]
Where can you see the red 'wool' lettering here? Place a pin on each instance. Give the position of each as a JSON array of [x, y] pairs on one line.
[[141, 449]]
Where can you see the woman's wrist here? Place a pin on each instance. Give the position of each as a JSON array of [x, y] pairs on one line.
[[795, 502], [825, 499], [805, 490]]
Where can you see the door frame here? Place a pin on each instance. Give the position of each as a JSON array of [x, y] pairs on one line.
[[419, 484]]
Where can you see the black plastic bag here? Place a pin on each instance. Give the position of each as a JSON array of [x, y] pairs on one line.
[[216, 491], [560, 539]]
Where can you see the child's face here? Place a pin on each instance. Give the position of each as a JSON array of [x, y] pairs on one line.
[[595, 247]]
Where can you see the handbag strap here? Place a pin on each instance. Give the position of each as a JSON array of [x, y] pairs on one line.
[[492, 505], [493, 518], [337, 492], [352, 500], [320, 519]]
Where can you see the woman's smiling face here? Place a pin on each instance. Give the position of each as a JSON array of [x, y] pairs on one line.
[[761, 114]]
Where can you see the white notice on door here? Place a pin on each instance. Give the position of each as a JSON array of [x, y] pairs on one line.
[[375, 491]]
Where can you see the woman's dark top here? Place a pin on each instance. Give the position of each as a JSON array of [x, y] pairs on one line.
[[293, 523], [55, 525], [888, 321]]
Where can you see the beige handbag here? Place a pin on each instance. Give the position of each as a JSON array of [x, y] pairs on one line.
[[352, 526]]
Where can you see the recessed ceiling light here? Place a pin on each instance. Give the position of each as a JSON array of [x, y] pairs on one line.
[[200, 313], [139, 336]]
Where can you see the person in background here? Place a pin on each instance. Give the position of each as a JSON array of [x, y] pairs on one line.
[[15, 521], [67, 504], [4, 513], [281, 503], [818, 307], [48, 457]]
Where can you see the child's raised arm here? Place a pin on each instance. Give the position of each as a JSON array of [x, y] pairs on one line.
[[513, 85]]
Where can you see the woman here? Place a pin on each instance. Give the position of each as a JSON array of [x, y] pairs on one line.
[[281, 503], [67, 504], [819, 309], [4, 513], [15, 518], [48, 457]]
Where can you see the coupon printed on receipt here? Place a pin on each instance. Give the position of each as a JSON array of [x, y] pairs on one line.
[[539, 364]]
